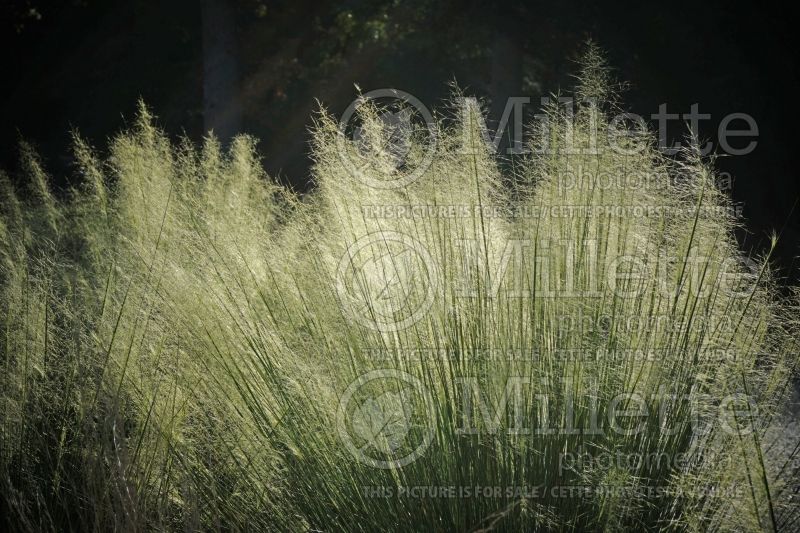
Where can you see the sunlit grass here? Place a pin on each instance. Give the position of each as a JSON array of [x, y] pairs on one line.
[[175, 343]]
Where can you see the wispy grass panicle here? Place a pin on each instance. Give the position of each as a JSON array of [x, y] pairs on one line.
[[187, 344]]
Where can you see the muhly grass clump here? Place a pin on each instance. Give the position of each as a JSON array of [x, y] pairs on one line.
[[181, 336]]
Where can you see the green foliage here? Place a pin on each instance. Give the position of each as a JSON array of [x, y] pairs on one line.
[[175, 349]]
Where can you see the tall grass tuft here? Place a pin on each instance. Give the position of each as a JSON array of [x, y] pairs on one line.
[[178, 339]]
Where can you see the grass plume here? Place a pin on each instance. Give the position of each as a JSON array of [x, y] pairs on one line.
[[175, 341]]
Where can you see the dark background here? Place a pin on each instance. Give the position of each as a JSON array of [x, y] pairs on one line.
[[259, 67]]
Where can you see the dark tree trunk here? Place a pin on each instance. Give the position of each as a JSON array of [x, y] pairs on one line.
[[222, 111], [506, 78]]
